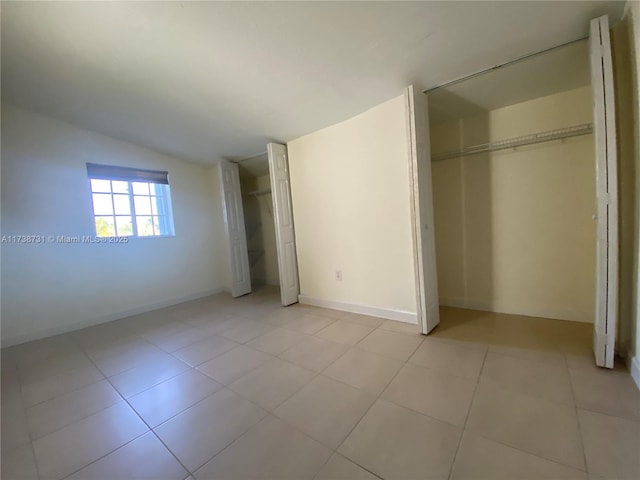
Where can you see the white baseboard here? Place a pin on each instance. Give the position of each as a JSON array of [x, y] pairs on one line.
[[634, 368], [389, 314], [49, 332]]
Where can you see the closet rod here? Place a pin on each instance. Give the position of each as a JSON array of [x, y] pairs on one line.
[[249, 158], [495, 67], [547, 136]]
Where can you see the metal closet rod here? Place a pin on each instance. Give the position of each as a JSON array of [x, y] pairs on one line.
[[541, 137], [249, 158], [500, 65]]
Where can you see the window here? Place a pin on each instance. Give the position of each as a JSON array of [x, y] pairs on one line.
[[130, 202]]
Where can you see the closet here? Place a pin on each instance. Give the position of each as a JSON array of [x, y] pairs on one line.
[[257, 204], [513, 169], [259, 227], [514, 190]]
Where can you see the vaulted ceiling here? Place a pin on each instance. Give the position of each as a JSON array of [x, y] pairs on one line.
[[208, 80]]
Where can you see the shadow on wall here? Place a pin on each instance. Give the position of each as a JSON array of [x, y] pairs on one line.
[[462, 205], [623, 79]]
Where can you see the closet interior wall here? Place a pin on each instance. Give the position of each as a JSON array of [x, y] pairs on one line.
[[514, 228], [261, 236]]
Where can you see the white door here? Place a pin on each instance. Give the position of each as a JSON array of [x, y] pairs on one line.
[[424, 243], [283, 218], [234, 224], [604, 129]]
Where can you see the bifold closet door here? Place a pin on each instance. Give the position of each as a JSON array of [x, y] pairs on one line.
[[235, 230], [283, 218], [424, 243], [604, 129]]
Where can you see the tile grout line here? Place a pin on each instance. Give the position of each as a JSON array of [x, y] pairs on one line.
[[575, 410], [464, 426], [133, 439], [26, 422], [377, 398]]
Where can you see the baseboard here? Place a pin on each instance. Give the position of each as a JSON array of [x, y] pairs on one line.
[[634, 368], [527, 312], [50, 332], [387, 313]]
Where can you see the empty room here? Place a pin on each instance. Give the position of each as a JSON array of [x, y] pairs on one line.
[[320, 240]]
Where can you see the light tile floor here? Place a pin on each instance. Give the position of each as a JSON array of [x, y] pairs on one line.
[[223, 388]]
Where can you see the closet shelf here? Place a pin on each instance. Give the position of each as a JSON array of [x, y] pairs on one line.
[[518, 141]]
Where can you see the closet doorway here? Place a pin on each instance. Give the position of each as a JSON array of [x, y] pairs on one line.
[[520, 169], [259, 220]]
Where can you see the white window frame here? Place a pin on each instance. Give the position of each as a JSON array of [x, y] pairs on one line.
[[161, 192]]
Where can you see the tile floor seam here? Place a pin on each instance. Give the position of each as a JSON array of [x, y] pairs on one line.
[[466, 418], [103, 456], [349, 460], [276, 406], [332, 450], [477, 434], [183, 410], [626, 419], [474, 432], [246, 431], [377, 398], [206, 336], [155, 384], [75, 421], [66, 392], [437, 370], [241, 376], [24, 408], [215, 356], [143, 421], [575, 409]]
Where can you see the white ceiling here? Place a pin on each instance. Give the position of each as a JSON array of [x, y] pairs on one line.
[[554, 71], [210, 80]]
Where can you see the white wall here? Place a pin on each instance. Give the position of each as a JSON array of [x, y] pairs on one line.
[[514, 232], [51, 288], [351, 203]]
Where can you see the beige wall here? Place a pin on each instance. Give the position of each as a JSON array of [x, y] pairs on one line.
[[350, 189], [514, 231], [52, 288], [630, 141]]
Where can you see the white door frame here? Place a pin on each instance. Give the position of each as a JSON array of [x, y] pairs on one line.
[[604, 130], [422, 224], [284, 223], [234, 228]]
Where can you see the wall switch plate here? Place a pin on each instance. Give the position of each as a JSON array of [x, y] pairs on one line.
[[339, 275]]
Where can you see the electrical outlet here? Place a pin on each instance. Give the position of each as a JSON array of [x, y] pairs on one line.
[[339, 275]]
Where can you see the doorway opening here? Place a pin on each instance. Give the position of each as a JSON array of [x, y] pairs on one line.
[[257, 203], [520, 169]]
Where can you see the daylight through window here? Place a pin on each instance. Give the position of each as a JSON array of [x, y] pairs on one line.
[[130, 202]]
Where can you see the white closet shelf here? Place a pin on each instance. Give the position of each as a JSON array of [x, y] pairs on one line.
[[547, 136]]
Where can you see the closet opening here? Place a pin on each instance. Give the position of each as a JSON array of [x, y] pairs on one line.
[[259, 225], [257, 204], [514, 202]]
